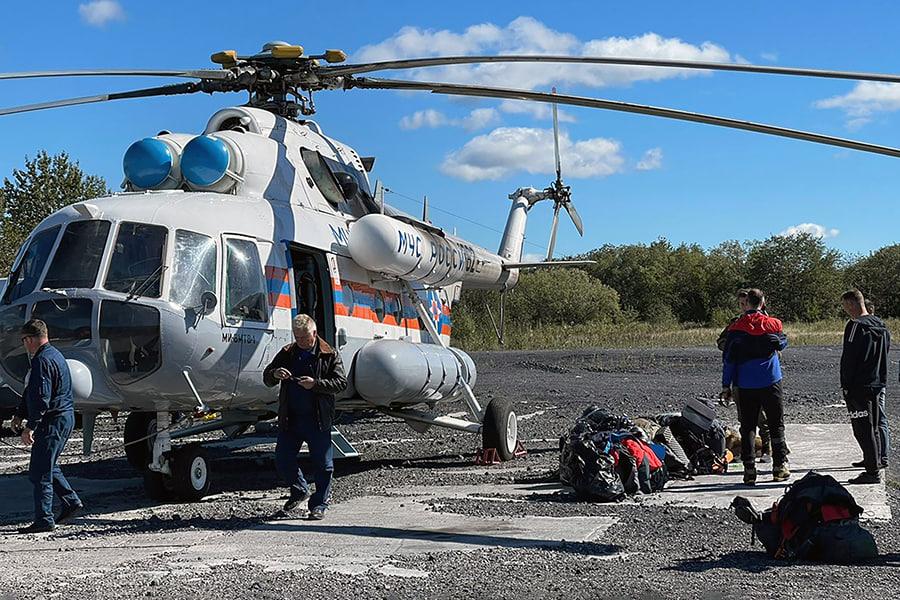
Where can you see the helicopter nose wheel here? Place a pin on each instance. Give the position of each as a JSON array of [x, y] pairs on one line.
[[500, 429], [190, 473]]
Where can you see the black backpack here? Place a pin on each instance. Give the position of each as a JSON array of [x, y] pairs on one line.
[[816, 519]]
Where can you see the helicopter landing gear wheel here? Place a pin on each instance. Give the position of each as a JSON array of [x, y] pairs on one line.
[[190, 473], [139, 425], [500, 429]]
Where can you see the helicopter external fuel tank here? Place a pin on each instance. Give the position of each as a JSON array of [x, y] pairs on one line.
[[390, 372], [423, 254]]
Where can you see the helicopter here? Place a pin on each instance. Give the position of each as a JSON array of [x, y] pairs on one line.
[[171, 297]]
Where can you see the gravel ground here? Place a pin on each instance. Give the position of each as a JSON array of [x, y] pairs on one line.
[[651, 552]]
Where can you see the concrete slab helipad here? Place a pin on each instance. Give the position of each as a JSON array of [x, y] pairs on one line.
[[367, 532]]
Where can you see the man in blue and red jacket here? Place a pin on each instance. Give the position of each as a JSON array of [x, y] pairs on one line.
[[750, 363]]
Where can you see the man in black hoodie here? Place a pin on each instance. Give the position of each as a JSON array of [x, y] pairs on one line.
[[863, 377]]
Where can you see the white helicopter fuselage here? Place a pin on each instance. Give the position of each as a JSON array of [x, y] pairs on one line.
[[172, 299]]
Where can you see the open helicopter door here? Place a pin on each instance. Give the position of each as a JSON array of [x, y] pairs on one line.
[[312, 288], [311, 271], [250, 311]]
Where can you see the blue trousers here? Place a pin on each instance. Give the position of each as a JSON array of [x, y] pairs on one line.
[[50, 439], [321, 454]]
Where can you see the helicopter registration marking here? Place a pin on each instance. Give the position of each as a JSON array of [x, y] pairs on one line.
[[410, 244], [341, 235], [239, 338]]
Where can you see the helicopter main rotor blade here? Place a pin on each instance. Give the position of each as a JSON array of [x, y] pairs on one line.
[[415, 63], [556, 140], [576, 218], [669, 113], [187, 74], [166, 90]]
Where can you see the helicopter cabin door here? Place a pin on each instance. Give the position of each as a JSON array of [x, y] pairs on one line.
[[312, 289], [246, 311]]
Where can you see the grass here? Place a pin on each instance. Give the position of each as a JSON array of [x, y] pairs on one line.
[[640, 335]]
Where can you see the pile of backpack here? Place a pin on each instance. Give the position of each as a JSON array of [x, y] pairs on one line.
[[696, 438], [816, 519], [605, 458]]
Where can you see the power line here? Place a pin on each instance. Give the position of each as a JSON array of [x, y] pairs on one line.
[[452, 214]]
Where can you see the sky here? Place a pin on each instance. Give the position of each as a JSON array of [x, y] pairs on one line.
[[634, 178]]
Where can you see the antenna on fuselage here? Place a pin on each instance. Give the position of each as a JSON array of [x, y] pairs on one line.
[[425, 209]]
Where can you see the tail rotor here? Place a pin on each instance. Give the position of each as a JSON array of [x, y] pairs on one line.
[[560, 193]]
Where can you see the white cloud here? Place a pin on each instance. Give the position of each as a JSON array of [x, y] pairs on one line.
[[864, 100], [814, 229], [477, 119], [423, 118], [507, 150], [769, 56], [526, 35], [100, 12], [651, 160], [538, 110]]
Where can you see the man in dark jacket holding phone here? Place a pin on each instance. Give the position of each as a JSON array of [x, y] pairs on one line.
[[864, 361], [310, 372]]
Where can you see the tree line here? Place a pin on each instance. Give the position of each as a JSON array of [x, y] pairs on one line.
[[687, 284]]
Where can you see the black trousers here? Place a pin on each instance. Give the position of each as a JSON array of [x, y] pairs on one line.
[[750, 402], [862, 404], [764, 432]]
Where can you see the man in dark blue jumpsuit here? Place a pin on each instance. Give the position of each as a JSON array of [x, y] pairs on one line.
[[48, 406], [310, 372]]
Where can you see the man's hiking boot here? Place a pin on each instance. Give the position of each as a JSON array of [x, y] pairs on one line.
[[866, 478], [295, 501], [69, 513], [749, 475], [781, 473], [37, 528]]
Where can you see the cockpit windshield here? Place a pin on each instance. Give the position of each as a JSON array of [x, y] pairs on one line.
[[194, 268], [137, 259], [77, 258], [25, 278]]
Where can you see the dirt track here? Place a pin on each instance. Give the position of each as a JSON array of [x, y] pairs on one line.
[[660, 551]]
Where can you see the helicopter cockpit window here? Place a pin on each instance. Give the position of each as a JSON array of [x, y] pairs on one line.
[[129, 340], [245, 284], [137, 260], [193, 269], [77, 258], [68, 320], [24, 279], [322, 175]]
